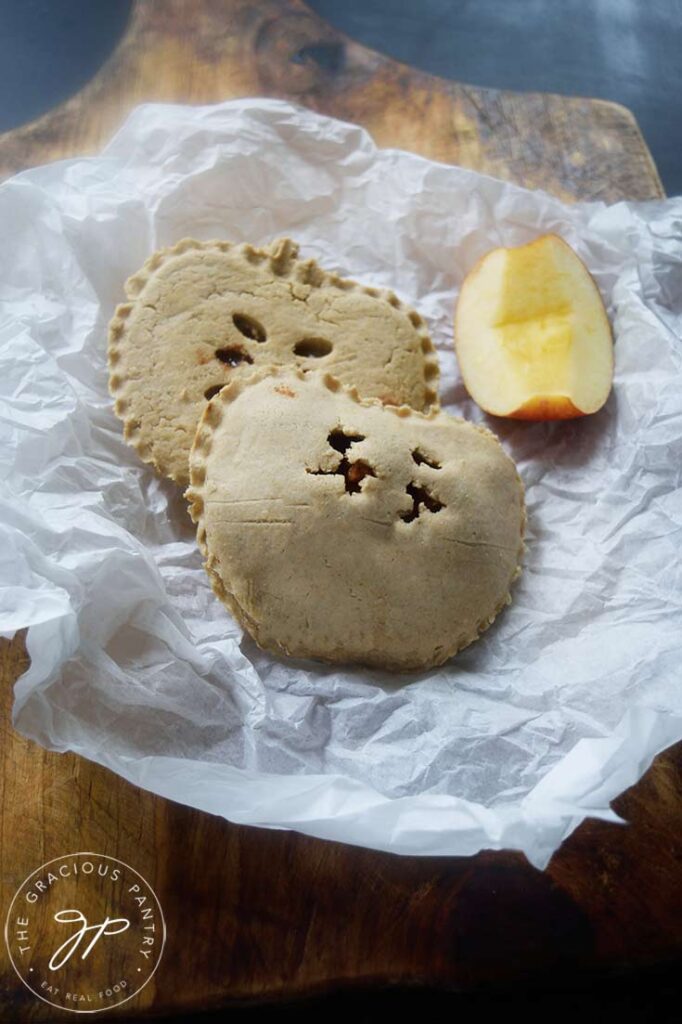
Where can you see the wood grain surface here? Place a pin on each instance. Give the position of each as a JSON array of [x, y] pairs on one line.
[[202, 51], [253, 914]]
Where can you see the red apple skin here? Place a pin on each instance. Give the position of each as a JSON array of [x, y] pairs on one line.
[[555, 407]]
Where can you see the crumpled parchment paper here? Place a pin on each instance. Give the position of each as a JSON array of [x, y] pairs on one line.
[[135, 663]]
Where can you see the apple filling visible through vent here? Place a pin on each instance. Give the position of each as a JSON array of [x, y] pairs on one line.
[[352, 472]]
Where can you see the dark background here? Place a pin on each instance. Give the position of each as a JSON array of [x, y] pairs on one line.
[[624, 50]]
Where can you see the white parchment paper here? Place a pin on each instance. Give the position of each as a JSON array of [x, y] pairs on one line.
[[135, 663]]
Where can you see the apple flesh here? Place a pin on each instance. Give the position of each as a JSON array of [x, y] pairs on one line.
[[532, 337]]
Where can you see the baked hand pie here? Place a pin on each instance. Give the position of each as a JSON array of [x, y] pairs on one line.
[[202, 313], [338, 528]]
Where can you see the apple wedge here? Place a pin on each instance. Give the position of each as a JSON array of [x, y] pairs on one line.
[[532, 337]]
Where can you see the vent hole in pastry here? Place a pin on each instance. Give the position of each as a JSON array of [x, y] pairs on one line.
[[211, 392], [353, 473], [233, 355], [425, 460], [340, 441], [421, 498], [249, 327], [313, 348]]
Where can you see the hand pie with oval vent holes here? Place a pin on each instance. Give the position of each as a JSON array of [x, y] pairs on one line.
[[201, 313], [345, 530]]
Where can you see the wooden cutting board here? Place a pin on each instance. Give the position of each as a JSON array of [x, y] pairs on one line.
[[253, 914], [202, 51]]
